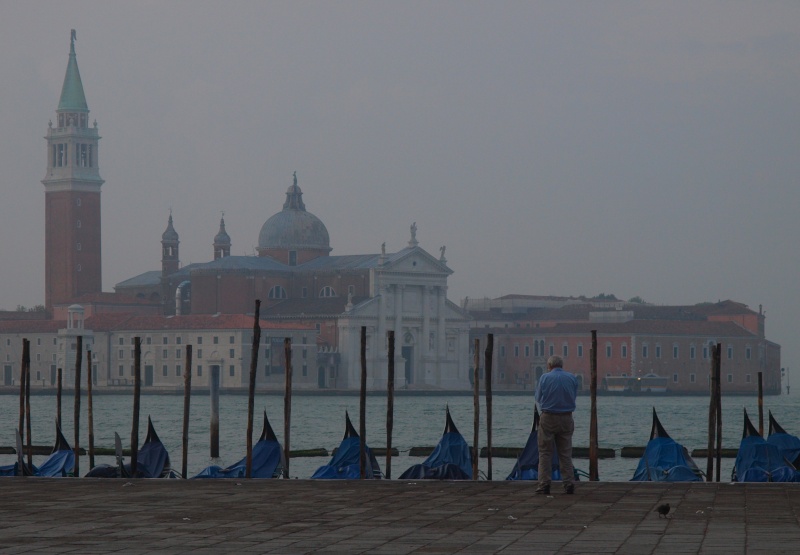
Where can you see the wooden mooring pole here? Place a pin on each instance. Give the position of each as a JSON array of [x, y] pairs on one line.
[[287, 403], [718, 405], [22, 391], [487, 364], [761, 403], [213, 427], [712, 421], [594, 472], [389, 404], [59, 386], [362, 408], [187, 395], [89, 407], [137, 389], [76, 415], [476, 407], [27, 359], [251, 389]]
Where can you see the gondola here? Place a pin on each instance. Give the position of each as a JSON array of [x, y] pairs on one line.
[[60, 463], [450, 460], [787, 444], [759, 461], [346, 461], [152, 460], [665, 460], [527, 465], [267, 459]]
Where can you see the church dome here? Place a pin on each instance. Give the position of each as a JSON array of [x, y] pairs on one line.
[[293, 228]]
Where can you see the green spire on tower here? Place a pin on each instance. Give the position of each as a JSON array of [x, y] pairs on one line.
[[72, 97]]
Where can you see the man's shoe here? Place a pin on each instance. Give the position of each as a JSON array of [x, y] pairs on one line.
[[569, 490], [544, 490]]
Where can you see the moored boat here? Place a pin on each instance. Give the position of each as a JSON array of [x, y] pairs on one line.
[[759, 461], [787, 444], [346, 461], [267, 459], [450, 460], [664, 459]]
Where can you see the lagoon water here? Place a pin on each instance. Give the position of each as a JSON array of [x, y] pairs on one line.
[[318, 421]]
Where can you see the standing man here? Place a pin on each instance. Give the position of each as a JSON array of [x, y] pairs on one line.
[[555, 395]]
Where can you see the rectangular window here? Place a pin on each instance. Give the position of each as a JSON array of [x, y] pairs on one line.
[[623, 351], [164, 340], [747, 353], [177, 353], [730, 378], [216, 340], [351, 289], [580, 350], [165, 353], [674, 351], [232, 370], [164, 370], [552, 349], [38, 340], [147, 340], [516, 351], [565, 351], [231, 340], [133, 353], [199, 353], [232, 353], [675, 378], [527, 351], [691, 378], [705, 351], [692, 352], [199, 370], [658, 351], [178, 340], [121, 370], [121, 341], [730, 352], [644, 351], [747, 378], [608, 351], [502, 350], [199, 340], [305, 370], [177, 369], [121, 354]]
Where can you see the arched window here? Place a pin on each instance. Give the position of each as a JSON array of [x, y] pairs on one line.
[[277, 292], [327, 291]]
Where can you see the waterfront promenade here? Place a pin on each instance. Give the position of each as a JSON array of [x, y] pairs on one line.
[[302, 516]]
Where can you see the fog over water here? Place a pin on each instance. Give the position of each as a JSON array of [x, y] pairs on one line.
[[642, 149]]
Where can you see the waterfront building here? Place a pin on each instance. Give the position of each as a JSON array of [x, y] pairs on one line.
[[641, 347]]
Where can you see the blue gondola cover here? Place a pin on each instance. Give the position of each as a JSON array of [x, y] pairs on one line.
[[527, 465], [450, 460], [346, 462], [664, 459], [267, 462], [759, 461]]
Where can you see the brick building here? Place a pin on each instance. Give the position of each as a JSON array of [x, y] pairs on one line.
[[640, 347]]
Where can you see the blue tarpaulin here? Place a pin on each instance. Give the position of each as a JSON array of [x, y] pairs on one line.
[[267, 459], [450, 460], [664, 459], [759, 461], [527, 465], [346, 462]]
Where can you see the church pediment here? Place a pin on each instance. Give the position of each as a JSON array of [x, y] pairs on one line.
[[415, 260]]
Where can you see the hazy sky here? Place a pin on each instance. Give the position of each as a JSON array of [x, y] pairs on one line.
[[556, 148]]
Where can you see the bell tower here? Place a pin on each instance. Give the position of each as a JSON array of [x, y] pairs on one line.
[[72, 196]]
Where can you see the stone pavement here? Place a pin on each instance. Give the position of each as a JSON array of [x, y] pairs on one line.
[[39, 515]]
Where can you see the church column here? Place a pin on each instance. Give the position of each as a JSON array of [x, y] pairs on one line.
[[426, 317], [441, 340]]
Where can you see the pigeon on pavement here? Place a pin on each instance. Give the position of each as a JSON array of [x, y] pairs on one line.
[[663, 510]]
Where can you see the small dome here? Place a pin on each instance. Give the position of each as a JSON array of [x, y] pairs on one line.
[[293, 228], [170, 235]]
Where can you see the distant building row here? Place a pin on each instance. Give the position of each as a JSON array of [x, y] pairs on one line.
[[640, 347]]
